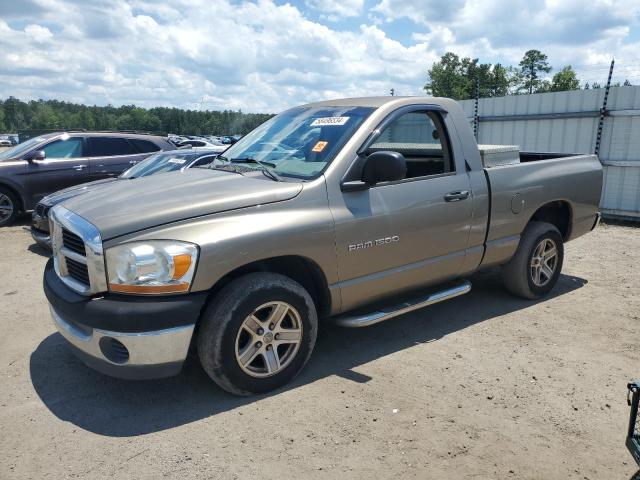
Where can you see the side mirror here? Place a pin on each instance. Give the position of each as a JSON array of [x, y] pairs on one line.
[[384, 166], [35, 155]]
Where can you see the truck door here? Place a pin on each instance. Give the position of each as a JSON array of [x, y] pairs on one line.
[[403, 235]]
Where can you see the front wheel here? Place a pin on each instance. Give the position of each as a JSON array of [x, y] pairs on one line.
[[8, 207], [257, 333], [534, 269]]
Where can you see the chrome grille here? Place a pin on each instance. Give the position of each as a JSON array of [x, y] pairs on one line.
[[42, 210], [77, 252], [73, 242], [78, 271]]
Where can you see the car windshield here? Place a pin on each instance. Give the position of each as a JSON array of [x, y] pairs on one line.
[[161, 162], [20, 149], [300, 142]]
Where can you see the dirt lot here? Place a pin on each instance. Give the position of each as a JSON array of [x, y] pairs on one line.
[[484, 386]]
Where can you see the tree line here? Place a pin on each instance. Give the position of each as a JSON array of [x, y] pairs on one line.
[[53, 114], [459, 78]]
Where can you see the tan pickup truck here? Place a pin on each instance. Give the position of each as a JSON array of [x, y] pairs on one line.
[[351, 211]]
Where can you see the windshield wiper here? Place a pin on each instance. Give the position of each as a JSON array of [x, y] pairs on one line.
[[267, 167]]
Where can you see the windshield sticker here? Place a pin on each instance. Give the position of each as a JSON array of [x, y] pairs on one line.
[[329, 121], [179, 161], [319, 147]]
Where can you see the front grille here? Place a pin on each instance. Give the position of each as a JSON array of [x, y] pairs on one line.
[[78, 271], [42, 210], [73, 242]]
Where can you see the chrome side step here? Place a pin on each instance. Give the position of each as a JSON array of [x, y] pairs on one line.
[[356, 321]]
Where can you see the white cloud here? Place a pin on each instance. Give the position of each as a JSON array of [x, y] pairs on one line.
[[38, 33], [335, 9], [263, 56]]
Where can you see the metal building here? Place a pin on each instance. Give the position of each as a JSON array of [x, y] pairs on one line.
[[567, 122]]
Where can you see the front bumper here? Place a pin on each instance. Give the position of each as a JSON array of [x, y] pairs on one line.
[[124, 336], [41, 237], [40, 226]]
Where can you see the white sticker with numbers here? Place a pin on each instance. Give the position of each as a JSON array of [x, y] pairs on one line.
[[329, 121]]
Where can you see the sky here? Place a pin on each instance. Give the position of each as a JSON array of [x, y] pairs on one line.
[[266, 55]]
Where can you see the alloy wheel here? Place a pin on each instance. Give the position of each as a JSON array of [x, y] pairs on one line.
[[6, 207], [544, 262], [268, 339]]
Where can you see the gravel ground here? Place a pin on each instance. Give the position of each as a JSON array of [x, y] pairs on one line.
[[484, 386]]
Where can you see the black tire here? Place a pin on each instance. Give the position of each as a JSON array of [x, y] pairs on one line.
[[223, 319], [517, 273], [8, 198]]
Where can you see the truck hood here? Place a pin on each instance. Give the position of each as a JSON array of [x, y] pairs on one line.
[[62, 195], [124, 207]]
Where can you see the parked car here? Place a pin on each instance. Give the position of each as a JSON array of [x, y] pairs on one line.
[[353, 211], [5, 143], [203, 143], [633, 432], [45, 164], [166, 161]]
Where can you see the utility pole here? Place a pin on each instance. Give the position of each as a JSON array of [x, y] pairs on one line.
[[603, 110]]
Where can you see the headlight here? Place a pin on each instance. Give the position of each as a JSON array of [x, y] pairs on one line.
[[152, 267]]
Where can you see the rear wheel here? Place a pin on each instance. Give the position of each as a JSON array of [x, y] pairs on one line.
[[8, 207], [257, 333], [534, 269]]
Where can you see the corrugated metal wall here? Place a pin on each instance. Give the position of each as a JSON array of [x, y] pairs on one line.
[[562, 132]]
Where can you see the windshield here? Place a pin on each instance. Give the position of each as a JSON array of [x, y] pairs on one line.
[[161, 162], [20, 149], [300, 142]]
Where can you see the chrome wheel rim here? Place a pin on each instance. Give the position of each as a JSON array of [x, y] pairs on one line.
[[6, 208], [269, 339], [544, 262]]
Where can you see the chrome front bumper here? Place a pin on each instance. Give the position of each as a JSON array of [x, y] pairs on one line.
[[142, 355], [41, 237]]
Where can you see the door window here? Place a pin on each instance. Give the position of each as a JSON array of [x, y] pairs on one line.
[[144, 146], [203, 161], [109, 147], [68, 148], [421, 138]]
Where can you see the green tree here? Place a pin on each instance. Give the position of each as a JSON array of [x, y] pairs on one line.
[[565, 79], [459, 78], [3, 127], [532, 65]]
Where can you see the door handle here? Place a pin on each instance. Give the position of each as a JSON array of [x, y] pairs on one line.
[[456, 196], [133, 162], [79, 167]]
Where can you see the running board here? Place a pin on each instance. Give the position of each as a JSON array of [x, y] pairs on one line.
[[357, 321]]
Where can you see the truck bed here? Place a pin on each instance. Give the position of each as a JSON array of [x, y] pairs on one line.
[[517, 191]]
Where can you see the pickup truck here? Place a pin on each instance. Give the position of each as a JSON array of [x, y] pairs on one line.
[[353, 211]]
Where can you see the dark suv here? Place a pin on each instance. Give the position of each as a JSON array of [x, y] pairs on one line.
[[51, 162]]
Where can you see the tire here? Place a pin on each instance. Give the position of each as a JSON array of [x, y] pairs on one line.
[[519, 274], [9, 207], [223, 341]]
